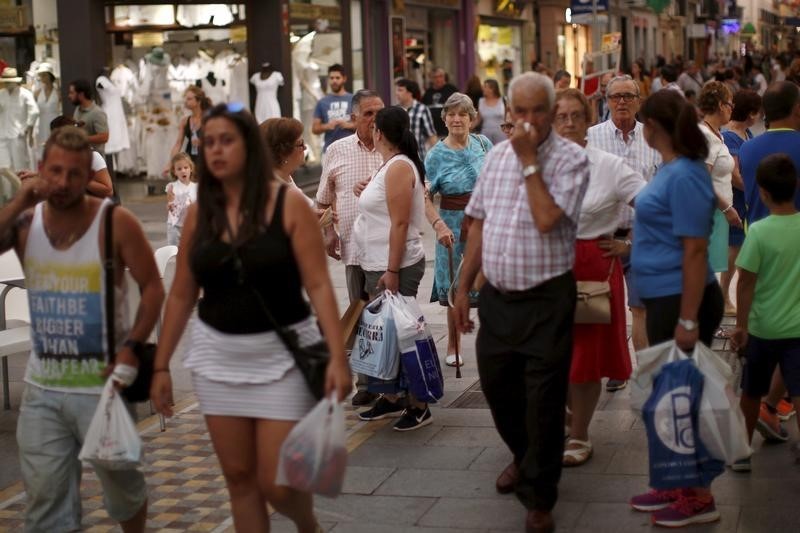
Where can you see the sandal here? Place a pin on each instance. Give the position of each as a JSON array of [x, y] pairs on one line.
[[450, 360], [723, 333], [578, 455]]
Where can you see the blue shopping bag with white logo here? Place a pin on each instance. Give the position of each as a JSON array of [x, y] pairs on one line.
[[678, 457], [375, 351], [418, 357]]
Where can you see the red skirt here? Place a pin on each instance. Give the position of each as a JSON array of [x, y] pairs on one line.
[[600, 350]]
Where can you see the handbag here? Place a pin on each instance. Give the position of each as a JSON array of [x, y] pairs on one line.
[[312, 360], [139, 390], [593, 304]]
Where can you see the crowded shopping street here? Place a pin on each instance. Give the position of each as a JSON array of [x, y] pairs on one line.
[[404, 266]]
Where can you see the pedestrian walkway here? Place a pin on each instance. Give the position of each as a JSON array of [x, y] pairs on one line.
[[439, 479]]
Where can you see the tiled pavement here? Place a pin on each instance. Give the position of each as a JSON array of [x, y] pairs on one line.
[[439, 479]]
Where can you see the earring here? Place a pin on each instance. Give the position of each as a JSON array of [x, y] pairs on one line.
[[284, 161]]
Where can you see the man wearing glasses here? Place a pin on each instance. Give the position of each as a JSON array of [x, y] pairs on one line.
[[622, 135]]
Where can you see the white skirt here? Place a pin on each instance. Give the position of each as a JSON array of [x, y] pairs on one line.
[[251, 375], [288, 398]]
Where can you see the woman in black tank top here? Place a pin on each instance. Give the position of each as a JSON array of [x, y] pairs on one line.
[[248, 243], [190, 128]]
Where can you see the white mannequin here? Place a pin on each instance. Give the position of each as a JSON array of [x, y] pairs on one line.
[[307, 91]]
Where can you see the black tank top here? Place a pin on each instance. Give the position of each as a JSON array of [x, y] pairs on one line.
[[266, 264], [187, 135]]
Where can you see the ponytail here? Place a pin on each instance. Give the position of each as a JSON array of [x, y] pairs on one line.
[[678, 119], [687, 138], [410, 148]]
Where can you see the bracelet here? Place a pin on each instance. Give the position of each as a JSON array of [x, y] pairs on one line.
[[727, 209], [433, 224], [392, 271], [157, 370]]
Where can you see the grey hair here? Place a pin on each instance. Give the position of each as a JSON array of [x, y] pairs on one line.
[[531, 81], [363, 94], [459, 102], [620, 79]]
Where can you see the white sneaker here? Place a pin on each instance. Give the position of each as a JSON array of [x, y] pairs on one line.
[[450, 360]]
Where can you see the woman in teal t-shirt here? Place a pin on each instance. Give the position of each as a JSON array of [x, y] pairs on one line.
[[669, 260]]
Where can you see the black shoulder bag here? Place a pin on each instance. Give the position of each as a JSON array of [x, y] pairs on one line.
[[139, 390]]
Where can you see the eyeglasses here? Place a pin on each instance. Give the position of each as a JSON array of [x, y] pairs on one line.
[[506, 126], [576, 116], [628, 97]]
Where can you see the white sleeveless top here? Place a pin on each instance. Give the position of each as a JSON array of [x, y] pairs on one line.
[[66, 291], [371, 229]]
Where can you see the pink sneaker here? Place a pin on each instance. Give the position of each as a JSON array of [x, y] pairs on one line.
[[655, 500], [688, 509]]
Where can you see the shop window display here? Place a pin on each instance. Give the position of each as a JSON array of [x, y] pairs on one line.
[[316, 37], [151, 70], [499, 51]]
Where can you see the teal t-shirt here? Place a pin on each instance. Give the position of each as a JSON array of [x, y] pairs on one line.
[[771, 250]]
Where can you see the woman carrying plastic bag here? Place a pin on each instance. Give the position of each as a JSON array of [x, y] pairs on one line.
[[375, 352]]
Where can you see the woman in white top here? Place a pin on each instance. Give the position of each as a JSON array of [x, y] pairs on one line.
[[715, 102], [491, 111], [599, 350], [391, 211]]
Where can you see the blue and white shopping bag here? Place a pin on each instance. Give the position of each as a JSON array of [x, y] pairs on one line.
[[418, 357], [678, 458], [375, 351]]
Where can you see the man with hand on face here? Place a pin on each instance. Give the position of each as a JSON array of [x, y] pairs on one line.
[[622, 135], [525, 207], [58, 233], [332, 114], [350, 161]]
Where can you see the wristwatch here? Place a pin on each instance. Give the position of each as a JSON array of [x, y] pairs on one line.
[[529, 171], [688, 325]]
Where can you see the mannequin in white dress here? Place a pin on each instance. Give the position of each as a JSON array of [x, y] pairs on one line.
[[308, 90], [266, 83], [111, 97], [48, 101]]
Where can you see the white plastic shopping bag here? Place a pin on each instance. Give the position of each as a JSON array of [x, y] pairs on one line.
[[648, 363], [112, 440], [313, 457], [721, 422], [375, 352]]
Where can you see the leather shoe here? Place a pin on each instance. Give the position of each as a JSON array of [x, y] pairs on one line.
[[507, 479], [539, 522], [363, 398]]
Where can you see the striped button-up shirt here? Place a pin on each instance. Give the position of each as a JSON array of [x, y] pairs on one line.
[[421, 125], [636, 153], [515, 255], [347, 162]]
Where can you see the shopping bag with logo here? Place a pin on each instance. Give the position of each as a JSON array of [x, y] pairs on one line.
[[648, 363], [418, 356], [721, 423], [313, 457], [112, 440], [375, 352], [678, 457]]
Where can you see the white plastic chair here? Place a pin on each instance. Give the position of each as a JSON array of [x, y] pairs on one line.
[[15, 335], [163, 255]]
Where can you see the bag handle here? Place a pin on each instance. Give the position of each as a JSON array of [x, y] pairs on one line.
[[480, 140], [108, 269]]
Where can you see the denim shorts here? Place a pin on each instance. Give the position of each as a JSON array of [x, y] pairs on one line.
[[50, 433], [761, 358]]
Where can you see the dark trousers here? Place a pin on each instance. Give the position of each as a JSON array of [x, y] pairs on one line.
[[663, 314], [524, 349]]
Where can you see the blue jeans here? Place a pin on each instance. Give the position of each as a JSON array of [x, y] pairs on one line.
[[50, 433]]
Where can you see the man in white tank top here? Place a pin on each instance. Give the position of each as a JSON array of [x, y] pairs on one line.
[[56, 230]]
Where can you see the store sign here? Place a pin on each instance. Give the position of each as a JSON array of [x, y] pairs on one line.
[[148, 39], [12, 19], [611, 41], [314, 12], [507, 7], [586, 7]]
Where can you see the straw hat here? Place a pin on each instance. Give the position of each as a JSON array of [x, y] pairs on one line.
[[10, 76]]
